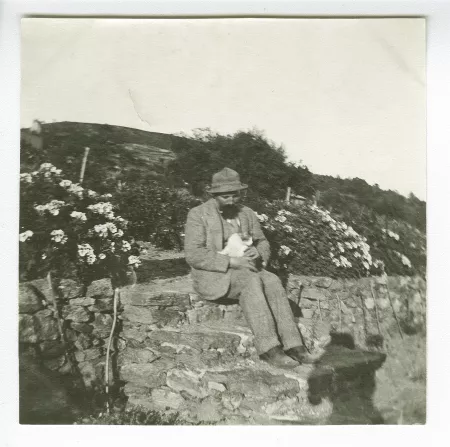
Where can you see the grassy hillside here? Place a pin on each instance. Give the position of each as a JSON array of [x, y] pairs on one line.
[[115, 152], [120, 154]]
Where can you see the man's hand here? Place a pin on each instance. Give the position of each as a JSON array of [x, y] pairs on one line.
[[242, 263], [251, 253]]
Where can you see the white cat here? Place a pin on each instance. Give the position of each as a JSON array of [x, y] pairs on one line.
[[236, 246]]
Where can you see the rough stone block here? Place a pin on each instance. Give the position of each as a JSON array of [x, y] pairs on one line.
[[132, 333], [102, 325], [323, 282], [216, 386], [187, 381], [82, 327], [201, 341], [209, 410], [101, 288], [30, 299], [232, 400], [164, 399], [136, 355], [143, 296], [82, 301], [51, 348], [70, 289], [261, 384], [83, 341], [76, 313], [314, 294], [132, 389], [204, 313], [308, 313], [37, 327], [137, 314], [102, 305], [88, 354], [151, 375]]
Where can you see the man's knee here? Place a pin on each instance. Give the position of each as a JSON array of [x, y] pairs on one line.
[[270, 279]]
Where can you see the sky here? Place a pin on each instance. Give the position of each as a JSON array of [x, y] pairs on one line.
[[344, 97]]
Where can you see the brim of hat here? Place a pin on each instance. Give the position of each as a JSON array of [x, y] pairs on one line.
[[226, 188]]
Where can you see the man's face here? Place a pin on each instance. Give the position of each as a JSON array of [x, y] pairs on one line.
[[228, 203]]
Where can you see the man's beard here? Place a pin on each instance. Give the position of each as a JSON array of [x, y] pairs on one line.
[[230, 211]]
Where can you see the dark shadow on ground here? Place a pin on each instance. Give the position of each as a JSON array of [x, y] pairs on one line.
[[45, 396], [161, 269], [346, 376]]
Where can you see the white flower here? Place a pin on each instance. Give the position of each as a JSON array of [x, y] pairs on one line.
[[25, 177], [84, 249], [126, 246], [288, 228], [45, 166], [406, 261], [25, 235], [366, 265], [78, 215], [65, 183], [280, 218], [76, 189], [285, 250], [44, 256], [101, 208], [102, 230], [262, 217], [134, 260], [91, 194], [59, 236], [101, 256], [52, 207], [90, 258]]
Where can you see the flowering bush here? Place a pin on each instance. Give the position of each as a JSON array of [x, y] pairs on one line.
[[156, 212], [65, 227], [307, 239]]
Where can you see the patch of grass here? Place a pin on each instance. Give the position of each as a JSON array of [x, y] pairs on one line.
[[133, 416], [401, 382]]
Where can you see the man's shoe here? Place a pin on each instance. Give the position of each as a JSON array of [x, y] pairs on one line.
[[300, 354], [278, 358]]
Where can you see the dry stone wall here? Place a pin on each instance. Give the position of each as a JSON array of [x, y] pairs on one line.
[[79, 338], [174, 352]]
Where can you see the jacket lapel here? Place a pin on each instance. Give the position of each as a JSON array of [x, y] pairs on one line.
[[214, 223]]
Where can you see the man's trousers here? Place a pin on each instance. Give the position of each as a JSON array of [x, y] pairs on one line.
[[266, 309]]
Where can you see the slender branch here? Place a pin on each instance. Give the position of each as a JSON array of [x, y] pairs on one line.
[[340, 312], [376, 307], [108, 349]]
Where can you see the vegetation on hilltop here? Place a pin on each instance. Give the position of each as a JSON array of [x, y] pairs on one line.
[[156, 178]]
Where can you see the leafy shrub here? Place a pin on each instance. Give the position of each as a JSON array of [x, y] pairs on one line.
[[65, 228], [156, 213], [133, 416], [306, 239]]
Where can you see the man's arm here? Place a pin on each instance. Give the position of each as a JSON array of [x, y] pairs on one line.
[[260, 241], [197, 254]]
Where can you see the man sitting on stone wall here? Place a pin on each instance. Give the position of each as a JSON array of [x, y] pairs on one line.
[[217, 276]]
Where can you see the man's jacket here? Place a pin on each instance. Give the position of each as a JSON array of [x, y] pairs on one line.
[[203, 241]]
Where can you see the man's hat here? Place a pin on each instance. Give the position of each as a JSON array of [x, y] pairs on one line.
[[226, 180]]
